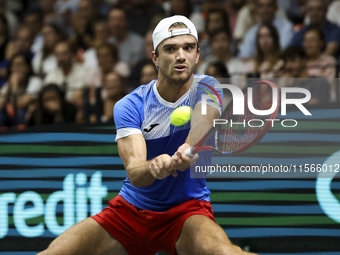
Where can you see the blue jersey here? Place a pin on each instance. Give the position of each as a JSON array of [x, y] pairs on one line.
[[145, 112]]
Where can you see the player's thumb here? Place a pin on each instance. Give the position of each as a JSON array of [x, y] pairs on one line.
[[178, 154]]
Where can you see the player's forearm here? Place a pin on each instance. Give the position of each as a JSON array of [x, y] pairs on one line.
[[139, 174], [201, 124]]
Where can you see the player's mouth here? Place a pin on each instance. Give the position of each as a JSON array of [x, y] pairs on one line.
[[180, 68]]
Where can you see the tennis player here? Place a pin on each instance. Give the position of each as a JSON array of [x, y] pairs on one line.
[[159, 208]]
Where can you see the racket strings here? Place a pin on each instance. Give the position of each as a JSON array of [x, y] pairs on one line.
[[240, 130]]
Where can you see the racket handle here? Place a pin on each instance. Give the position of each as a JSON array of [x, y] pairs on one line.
[[188, 152]]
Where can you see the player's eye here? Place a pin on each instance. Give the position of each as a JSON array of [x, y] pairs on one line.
[[170, 49], [188, 48]]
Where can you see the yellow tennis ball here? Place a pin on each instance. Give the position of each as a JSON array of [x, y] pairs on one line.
[[180, 116]]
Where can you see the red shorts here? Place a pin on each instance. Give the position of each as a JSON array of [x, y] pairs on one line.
[[144, 232]]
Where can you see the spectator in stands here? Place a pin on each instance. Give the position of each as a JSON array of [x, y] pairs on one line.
[[319, 63], [141, 14], [216, 19], [106, 97], [267, 59], [63, 6], [246, 18], [232, 8], [218, 70], [185, 8], [107, 55], [101, 36], [249, 17], [130, 44], [103, 7], [11, 19], [294, 58], [50, 15], [4, 37], [4, 40], [113, 91], [45, 61], [52, 108], [296, 75], [148, 73], [101, 33], [207, 5], [316, 11], [220, 44], [266, 10], [22, 43], [134, 79], [34, 20], [69, 75], [294, 10], [333, 12], [19, 91], [82, 23]]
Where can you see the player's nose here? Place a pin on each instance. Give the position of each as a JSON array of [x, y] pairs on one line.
[[180, 55]]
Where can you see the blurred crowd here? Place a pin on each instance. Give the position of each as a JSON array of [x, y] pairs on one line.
[[64, 61]]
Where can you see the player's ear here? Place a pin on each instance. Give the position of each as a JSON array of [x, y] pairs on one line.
[[198, 55], [154, 58]]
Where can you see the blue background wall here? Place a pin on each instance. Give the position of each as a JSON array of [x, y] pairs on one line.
[[52, 177]]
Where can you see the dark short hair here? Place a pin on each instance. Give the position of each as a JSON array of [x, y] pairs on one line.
[[71, 46], [26, 58], [221, 68], [219, 31], [317, 30], [324, 3], [224, 15], [57, 29], [35, 11], [188, 8], [274, 1], [51, 87], [292, 52], [111, 47]]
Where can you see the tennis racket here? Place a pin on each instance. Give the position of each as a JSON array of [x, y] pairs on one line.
[[234, 139]]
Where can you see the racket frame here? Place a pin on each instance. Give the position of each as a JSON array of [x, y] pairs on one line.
[[200, 145]]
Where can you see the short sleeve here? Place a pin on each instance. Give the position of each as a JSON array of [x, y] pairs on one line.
[[215, 95], [128, 115]]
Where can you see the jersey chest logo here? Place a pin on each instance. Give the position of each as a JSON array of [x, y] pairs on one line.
[[150, 127]]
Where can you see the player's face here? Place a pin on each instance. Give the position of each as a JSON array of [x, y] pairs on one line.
[[177, 57]]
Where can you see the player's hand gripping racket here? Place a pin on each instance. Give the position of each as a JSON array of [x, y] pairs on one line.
[[231, 138]]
